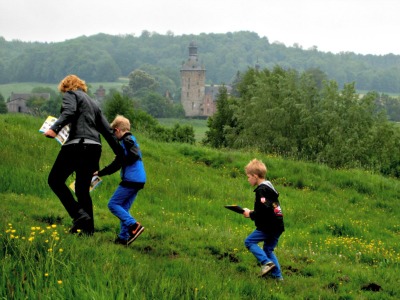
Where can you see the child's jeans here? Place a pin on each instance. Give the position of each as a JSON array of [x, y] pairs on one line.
[[120, 204], [266, 254]]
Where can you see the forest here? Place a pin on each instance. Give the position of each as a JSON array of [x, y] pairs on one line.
[[105, 58], [285, 113]]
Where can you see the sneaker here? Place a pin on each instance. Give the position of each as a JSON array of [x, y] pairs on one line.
[[265, 269], [134, 231], [80, 222], [120, 241], [278, 279]]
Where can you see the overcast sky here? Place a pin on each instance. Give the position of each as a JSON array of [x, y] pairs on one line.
[[360, 26]]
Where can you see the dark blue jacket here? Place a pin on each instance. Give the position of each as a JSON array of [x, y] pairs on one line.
[[131, 164]]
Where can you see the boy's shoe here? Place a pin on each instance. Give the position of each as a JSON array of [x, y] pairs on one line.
[[134, 231], [80, 222], [278, 279], [120, 241], [265, 269]]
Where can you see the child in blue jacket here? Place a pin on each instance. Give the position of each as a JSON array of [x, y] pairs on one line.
[[133, 178]]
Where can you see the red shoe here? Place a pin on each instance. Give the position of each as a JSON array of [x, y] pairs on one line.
[[134, 231]]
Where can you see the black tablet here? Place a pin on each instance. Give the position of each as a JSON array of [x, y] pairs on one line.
[[235, 208]]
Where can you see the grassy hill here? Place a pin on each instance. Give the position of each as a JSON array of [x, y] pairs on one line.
[[341, 239]]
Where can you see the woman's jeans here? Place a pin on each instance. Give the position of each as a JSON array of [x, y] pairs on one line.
[[83, 159], [266, 254], [120, 204]]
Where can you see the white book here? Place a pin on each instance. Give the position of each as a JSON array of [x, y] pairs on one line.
[[62, 136], [96, 181]]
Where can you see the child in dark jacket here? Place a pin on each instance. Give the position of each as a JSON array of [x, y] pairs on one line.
[[133, 178], [268, 218]]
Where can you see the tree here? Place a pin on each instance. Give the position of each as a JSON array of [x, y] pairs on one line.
[[3, 105], [286, 113], [390, 105], [183, 134], [218, 123], [318, 76], [155, 104], [167, 80], [35, 105], [50, 107], [139, 81], [115, 104]]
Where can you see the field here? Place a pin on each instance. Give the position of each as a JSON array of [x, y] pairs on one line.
[[341, 238], [26, 87], [199, 125]]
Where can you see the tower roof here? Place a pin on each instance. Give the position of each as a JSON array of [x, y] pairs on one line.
[[192, 63]]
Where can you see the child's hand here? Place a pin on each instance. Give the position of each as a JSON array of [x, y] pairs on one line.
[[96, 173], [246, 212]]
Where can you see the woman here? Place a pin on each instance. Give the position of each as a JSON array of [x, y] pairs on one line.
[[81, 151]]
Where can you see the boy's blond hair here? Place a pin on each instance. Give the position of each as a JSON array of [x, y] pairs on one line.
[[256, 167], [121, 122], [72, 83]]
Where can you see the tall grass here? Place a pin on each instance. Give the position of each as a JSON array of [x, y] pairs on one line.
[[341, 239]]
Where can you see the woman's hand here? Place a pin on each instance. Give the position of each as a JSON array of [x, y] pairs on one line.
[[50, 134]]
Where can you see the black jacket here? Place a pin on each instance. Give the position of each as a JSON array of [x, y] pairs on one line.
[[267, 214], [86, 120]]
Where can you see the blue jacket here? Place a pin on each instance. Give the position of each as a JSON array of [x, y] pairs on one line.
[[131, 164]]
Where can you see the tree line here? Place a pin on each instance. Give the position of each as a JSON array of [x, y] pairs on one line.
[[104, 58], [285, 112], [279, 111]]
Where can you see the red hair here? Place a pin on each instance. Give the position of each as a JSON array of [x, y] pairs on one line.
[[72, 83]]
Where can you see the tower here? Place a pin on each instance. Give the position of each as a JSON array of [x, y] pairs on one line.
[[193, 79]]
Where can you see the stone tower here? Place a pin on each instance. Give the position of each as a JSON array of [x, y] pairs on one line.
[[193, 79]]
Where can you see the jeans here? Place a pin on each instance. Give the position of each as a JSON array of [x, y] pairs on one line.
[[84, 160], [120, 204], [266, 254]]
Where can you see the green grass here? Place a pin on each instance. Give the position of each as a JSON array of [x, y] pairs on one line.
[[26, 87], [341, 238], [7, 89], [199, 125]]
